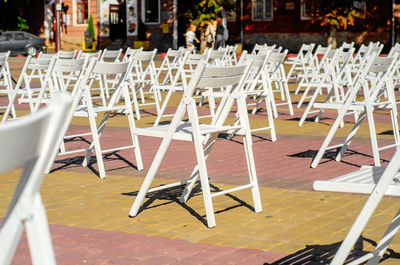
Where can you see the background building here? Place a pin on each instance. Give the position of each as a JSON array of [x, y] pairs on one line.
[[118, 23]]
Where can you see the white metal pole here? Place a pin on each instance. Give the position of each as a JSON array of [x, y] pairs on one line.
[[58, 25], [175, 26]]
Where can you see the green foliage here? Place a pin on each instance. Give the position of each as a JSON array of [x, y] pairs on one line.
[[90, 27], [337, 14], [22, 25], [198, 12]]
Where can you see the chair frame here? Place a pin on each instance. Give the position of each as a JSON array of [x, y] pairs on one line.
[[26, 208]]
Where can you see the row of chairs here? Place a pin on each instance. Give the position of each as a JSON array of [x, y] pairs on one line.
[[229, 83], [351, 83]]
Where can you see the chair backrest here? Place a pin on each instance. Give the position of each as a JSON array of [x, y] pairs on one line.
[[111, 55], [393, 50], [129, 53], [67, 54], [144, 66], [66, 71], [16, 149], [33, 68], [257, 47], [306, 51], [89, 55], [376, 72], [232, 78], [258, 67], [97, 69], [216, 56], [45, 56], [5, 74]]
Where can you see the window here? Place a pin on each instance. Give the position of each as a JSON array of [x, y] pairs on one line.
[[309, 8], [151, 11], [82, 11], [262, 9], [19, 36], [360, 6]]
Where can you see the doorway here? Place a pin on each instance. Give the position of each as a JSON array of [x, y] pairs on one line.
[[118, 21]]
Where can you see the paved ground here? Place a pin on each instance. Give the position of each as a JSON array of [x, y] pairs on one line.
[[89, 219]]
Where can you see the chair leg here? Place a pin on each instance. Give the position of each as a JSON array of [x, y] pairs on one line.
[[201, 162], [328, 139], [289, 100], [367, 211], [135, 101], [135, 140], [303, 97], [385, 240], [96, 132], [163, 107], [309, 106], [350, 137], [10, 235], [248, 147], [156, 162], [270, 118], [38, 234]]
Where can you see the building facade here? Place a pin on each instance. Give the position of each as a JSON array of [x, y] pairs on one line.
[[283, 22], [116, 21]]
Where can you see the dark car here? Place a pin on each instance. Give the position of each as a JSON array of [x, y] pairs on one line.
[[20, 42]]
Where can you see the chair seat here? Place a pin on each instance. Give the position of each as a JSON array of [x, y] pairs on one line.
[[339, 105], [82, 111], [184, 131], [178, 87], [359, 181]]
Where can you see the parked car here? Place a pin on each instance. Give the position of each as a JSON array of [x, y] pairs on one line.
[[20, 42]]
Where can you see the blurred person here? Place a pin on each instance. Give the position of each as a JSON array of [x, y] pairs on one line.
[[191, 36], [219, 36], [223, 14], [210, 33]]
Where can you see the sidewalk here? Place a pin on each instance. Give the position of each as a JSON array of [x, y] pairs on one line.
[[89, 217]]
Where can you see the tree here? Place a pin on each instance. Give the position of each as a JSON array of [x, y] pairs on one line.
[[199, 12], [334, 15], [90, 27]]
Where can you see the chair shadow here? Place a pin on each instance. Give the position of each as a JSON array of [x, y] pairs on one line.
[[77, 161], [323, 254], [312, 119], [172, 195], [330, 155], [388, 132]]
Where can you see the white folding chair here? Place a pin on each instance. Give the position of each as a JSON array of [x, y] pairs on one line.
[[26, 85], [277, 80], [336, 75], [129, 53], [375, 82], [347, 45], [230, 55], [256, 85], [383, 184], [178, 83], [301, 61], [169, 65], [143, 79], [67, 54], [26, 208], [111, 55], [64, 73], [6, 86], [257, 47], [83, 106], [203, 135]]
